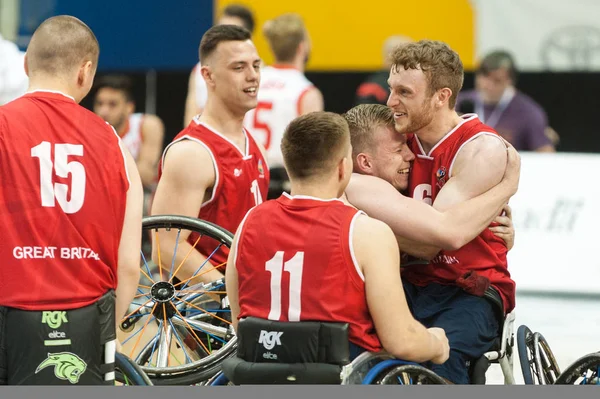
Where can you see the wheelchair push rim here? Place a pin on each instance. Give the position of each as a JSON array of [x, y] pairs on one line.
[[537, 360]]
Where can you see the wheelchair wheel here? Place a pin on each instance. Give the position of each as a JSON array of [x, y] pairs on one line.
[[538, 363], [584, 371], [408, 374], [127, 372], [176, 332]]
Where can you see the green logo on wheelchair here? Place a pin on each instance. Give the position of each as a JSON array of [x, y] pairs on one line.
[[67, 366], [54, 319]]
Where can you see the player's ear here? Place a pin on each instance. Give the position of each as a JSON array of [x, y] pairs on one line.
[[443, 96], [25, 65], [206, 72], [364, 164]]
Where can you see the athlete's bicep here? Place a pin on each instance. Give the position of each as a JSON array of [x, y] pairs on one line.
[[188, 174], [231, 282], [479, 166], [407, 217]]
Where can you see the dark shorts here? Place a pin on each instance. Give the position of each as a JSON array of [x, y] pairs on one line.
[[469, 321], [59, 347]]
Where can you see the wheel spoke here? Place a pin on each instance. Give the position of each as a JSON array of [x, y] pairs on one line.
[[174, 254], [147, 268], [205, 311], [164, 346], [158, 251], [178, 338], [192, 331], [185, 258], [145, 325]]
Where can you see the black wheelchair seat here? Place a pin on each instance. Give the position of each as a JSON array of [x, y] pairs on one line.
[[274, 352]]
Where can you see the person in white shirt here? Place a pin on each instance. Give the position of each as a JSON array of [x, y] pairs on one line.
[[13, 80], [284, 92]]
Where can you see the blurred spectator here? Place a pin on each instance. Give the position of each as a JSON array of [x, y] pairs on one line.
[[375, 89], [234, 14], [142, 134], [284, 92], [13, 80], [500, 105]]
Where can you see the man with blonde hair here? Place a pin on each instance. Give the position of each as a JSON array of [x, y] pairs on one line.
[[71, 197], [284, 93], [458, 158]]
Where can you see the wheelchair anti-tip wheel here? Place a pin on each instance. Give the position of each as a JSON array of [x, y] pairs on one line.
[[179, 333], [584, 371], [538, 363]]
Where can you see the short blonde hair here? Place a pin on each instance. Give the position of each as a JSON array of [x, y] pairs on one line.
[[362, 121], [284, 34]]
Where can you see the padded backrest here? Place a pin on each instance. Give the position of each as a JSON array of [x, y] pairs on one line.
[[268, 341]]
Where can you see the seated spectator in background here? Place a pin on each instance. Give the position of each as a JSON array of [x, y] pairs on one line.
[[375, 89], [500, 105], [13, 80]]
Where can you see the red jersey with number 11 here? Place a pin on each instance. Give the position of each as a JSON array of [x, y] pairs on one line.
[[295, 262], [241, 182]]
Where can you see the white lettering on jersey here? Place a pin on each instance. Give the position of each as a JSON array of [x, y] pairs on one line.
[[423, 193]]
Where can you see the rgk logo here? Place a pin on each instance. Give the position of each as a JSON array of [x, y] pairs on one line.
[[54, 319], [270, 338]]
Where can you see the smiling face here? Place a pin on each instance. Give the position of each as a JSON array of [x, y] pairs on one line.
[[410, 99], [232, 74], [389, 157]]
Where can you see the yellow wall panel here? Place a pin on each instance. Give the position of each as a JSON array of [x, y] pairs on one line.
[[348, 34]]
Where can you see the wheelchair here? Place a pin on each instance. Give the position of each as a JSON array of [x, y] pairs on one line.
[[314, 352], [584, 371], [538, 364], [177, 333]]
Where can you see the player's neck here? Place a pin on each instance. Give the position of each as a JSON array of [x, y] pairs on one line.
[[297, 64], [41, 83], [223, 119], [441, 124], [321, 190]]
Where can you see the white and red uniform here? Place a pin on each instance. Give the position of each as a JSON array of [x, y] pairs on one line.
[[279, 95], [241, 182], [201, 90], [486, 254], [132, 135], [63, 195], [295, 262]]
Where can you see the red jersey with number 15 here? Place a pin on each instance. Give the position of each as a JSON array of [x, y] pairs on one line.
[[241, 182], [486, 254], [63, 194], [295, 262]]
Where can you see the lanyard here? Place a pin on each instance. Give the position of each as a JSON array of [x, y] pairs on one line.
[[499, 109]]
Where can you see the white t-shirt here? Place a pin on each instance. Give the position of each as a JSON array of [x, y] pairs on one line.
[[13, 80]]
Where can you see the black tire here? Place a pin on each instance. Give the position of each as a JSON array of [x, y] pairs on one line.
[[586, 367], [410, 375], [128, 372]]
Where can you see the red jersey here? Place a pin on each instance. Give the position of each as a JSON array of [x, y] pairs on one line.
[[486, 254], [63, 195], [302, 267], [241, 182]]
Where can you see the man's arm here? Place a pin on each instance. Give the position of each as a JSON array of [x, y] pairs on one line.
[[128, 268], [231, 283], [418, 221], [311, 101], [153, 132], [191, 108], [400, 334], [188, 173]]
